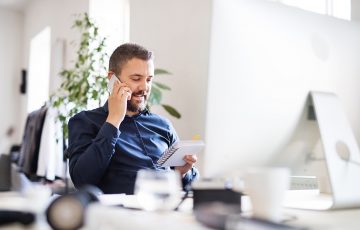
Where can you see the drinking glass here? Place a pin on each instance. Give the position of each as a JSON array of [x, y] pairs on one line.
[[158, 190]]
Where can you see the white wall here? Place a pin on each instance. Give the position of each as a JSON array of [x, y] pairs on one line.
[[11, 33], [59, 16], [178, 32]]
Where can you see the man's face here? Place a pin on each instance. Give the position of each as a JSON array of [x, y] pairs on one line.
[[138, 75]]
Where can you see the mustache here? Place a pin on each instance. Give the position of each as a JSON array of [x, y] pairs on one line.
[[139, 93]]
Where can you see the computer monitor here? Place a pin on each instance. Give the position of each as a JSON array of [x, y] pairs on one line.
[[265, 58]]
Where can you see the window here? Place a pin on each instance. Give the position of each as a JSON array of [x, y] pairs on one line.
[[39, 69], [112, 17], [337, 8]]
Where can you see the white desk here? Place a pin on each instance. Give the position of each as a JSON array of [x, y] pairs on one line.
[[117, 218], [316, 220], [108, 217], [15, 201], [326, 220]]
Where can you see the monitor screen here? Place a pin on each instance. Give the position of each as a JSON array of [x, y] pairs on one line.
[[265, 58]]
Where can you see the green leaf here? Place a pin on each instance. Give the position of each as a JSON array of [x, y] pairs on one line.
[[62, 118], [56, 103], [172, 111], [155, 96], [161, 72], [161, 86], [95, 94], [78, 23]]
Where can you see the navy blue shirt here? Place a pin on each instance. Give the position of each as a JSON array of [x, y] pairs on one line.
[[108, 157]]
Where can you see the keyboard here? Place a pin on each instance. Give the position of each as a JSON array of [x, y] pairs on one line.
[[303, 183]]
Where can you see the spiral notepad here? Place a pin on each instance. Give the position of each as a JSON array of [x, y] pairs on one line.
[[174, 155]]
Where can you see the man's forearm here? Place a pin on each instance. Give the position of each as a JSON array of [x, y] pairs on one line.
[[88, 166]]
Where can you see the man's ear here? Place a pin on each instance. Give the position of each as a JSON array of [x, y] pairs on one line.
[[110, 73]]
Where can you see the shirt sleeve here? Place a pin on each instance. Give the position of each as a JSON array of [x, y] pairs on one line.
[[90, 153], [189, 177]]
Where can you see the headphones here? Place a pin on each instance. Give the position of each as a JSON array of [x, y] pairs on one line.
[[67, 212]]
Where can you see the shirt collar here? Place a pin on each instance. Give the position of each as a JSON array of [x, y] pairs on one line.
[[145, 111]]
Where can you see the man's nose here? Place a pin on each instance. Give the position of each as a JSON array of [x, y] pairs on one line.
[[144, 85]]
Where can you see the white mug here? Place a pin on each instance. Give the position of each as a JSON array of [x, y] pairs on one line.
[[266, 188]]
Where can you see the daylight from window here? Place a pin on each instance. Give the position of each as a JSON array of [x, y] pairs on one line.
[[337, 8], [39, 69]]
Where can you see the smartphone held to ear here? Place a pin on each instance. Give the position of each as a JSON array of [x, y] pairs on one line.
[[111, 83]]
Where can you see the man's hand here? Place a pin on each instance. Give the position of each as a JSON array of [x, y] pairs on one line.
[[117, 103], [190, 161]]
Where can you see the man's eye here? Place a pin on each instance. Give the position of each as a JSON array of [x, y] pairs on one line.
[[136, 79], [149, 80]]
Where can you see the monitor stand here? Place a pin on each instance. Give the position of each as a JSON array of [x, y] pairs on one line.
[[342, 159]]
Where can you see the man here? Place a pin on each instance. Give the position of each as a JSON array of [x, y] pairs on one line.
[[108, 145]]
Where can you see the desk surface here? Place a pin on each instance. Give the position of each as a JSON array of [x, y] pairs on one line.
[[329, 220], [114, 218]]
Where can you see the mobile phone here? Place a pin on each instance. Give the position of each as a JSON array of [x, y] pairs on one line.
[[111, 83]]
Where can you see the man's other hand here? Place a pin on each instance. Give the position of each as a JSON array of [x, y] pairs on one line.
[[190, 161]]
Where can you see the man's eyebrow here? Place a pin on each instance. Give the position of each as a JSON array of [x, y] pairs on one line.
[[136, 75], [139, 75]]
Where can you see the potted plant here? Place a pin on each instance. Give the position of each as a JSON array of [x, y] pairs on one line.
[[85, 84]]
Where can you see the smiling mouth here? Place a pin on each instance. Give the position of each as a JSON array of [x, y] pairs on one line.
[[140, 95]]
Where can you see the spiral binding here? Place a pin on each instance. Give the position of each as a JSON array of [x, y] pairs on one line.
[[167, 154]]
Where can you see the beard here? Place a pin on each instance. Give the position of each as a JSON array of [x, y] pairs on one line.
[[134, 106]]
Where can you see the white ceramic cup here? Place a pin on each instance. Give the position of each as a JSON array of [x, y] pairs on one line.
[[266, 188]]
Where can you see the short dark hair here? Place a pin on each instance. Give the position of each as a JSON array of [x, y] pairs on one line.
[[125, 53]]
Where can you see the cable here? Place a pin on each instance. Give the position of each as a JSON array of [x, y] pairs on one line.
[[186, 195]]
